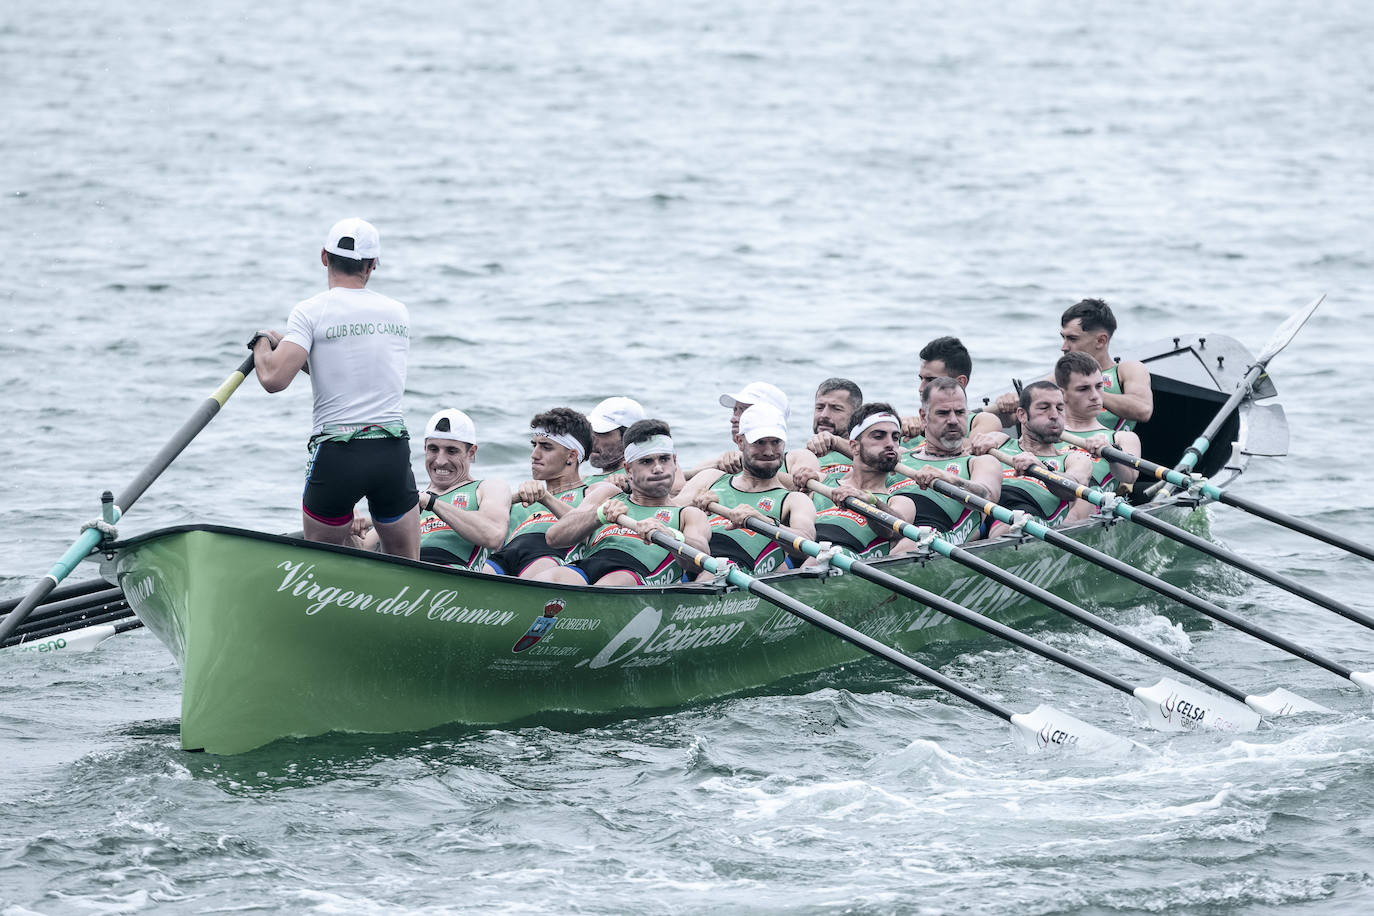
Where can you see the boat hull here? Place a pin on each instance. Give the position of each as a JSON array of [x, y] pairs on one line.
[[278, 637]]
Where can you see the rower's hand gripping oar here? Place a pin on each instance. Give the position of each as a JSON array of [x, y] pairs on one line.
[[1125, 510], [1043, 727], [90, 537], [1212, 491], [1166, 706]]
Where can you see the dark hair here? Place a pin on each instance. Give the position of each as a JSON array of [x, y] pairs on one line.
[[1042, 385], [856, 397], [863, 412], [1075, 362], [642, 430], [1092, 314], [943, 383], [566, 422], [950, 351], [349, 266]]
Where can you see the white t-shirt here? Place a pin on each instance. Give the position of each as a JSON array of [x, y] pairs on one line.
[[358, 342]]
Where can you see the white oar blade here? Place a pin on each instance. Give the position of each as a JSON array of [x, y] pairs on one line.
[[1280, 702], [1288, 330], [1365, 679], [1047, 728], [1173, 707], [81, 640]]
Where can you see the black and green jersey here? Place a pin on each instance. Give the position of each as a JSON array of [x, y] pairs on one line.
[[1103, 477], [659, 567], [1112, 385], [753, 552], [1028, 494], [956, 521], [590, 479], [441, 544], [525, 540]]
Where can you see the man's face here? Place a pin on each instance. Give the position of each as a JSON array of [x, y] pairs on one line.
[[1044, 419], [877, 448], [932, 369], [831, 413], [447, 462], [652, 476], [763, 458], [548, 459], [608, 449], [1083, 394], [946, 418], [1075, 339]]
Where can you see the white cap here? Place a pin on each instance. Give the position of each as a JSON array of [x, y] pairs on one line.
[[758, 393], [363, 240], [614, 413], [761, 421], [451, 424]]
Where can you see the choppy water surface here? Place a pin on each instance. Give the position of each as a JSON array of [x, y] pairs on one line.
[[668, 200]]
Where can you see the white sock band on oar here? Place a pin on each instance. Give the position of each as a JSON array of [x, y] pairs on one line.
[[654, 445], [563, 439], [872, 421]]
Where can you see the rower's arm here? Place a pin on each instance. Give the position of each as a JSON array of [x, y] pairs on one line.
[[486, 525], [985, 421], [1128, 442], [695, 531], [986, 474], [700, 481], [276, 368], [799, 514], [579, 523], [1136, 401], [904, 507]]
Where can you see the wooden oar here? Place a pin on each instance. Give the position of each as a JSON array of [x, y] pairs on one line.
[[1280, 339], [1212, 491], [1125, 510], [1043, 727], [90, 537], [1167, 706], [1278, 701]]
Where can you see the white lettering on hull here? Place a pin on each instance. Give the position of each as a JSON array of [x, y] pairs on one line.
[[300, 582]]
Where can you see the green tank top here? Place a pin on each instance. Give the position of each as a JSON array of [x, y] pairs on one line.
[[955, 520], [443, 543], [1102, 468], [752, 551], [534, 518], [850, 530], [1112, 385], [661, 567], [1030, 495], [590, 479], [835, 463]]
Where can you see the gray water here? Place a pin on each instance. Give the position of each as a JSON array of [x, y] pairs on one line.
[[669, 200]]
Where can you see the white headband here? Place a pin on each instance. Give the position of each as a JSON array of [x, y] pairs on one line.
[[654, 445], [563, 439], [874, 420]]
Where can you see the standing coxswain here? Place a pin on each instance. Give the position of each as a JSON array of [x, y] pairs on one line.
[[355, 342]]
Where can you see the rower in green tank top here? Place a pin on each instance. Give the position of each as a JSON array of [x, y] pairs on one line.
[[832, 415], [755, 490], [612, 531], [1041, 416], [945, 357], [1079, 377], [731, 462], [944, 416]]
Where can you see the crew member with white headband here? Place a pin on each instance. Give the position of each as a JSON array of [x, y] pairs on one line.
[[610, 532], [559, 441], [755, 490], [461, 519], [874, 441]]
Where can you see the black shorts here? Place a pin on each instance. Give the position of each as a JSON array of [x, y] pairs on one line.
[[341, 473], [602, 562], [513, 558]]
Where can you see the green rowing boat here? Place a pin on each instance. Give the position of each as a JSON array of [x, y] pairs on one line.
[[278, 637]]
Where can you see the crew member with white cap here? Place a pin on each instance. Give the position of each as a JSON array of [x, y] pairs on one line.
[[355, 342], [612, 531], [609, 420], [753, 393], [755, 490], [461, 519]]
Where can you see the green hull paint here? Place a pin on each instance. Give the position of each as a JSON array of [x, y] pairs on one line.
[[277, 637]]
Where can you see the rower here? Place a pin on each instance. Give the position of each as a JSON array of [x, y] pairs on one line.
[[944, 456], [609, 420], [612, 530], [836, 401], [461, 519], [945, 357], [1081, 380], [875, 443], [730, 462], [558, 440], [1087, 327], [755, 490], [1041, 416]]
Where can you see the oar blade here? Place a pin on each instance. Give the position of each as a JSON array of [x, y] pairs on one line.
[[82, 640], [1281, 702], [1046, 728], [1173, 707], [1288, 330], [1365, 679]]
